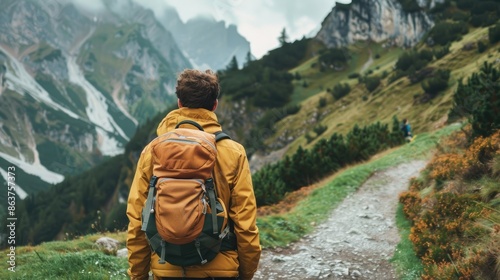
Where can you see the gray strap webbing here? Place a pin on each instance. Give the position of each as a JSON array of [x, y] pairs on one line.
[[155, 241], [224, 232], [163, 252], [148, 207], [209, 183], [197, 245]]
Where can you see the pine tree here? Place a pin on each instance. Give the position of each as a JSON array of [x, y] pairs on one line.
[[396, 137], [486, 119], [479, 101], [248, 59], [233, 64], [283, 38]]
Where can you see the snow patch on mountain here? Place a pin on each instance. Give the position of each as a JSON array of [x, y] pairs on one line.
[[107, 144], [19, 191], [35, 169], [97, 111], [20, 81]]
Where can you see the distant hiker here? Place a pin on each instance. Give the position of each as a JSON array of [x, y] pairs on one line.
[[197, 94], [406, 130]]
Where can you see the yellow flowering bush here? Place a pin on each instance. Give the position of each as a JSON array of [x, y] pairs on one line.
[[453, 228]]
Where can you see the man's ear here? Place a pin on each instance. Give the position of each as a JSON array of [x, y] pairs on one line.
[[179, 104], [215, 104]]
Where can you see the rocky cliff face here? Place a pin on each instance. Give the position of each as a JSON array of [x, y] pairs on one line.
[[375, 20], [27, 23], [162, 39], [429, 4]]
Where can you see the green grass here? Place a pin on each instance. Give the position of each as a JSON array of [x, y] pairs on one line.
[[280, 230], [76, 259], [408, 265], [320, 81], [79, 265]]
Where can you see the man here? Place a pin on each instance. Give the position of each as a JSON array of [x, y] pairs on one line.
[[197, 94], [406, 130]]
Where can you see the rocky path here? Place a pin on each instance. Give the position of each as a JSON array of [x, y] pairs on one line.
[[357, 240]]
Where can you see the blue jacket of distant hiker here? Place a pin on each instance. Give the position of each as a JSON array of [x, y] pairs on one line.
[[234, 187], [406, 130]]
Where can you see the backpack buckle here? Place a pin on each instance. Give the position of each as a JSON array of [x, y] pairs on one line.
[[204, 202]]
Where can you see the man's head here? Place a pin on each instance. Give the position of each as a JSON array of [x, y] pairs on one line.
[[197, 89]]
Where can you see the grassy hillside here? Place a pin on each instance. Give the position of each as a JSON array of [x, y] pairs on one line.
[[359, 63], [399, 97]]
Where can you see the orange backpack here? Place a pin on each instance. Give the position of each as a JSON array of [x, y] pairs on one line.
[[184, 220]]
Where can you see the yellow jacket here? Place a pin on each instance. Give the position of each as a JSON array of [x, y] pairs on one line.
[[234, 187]]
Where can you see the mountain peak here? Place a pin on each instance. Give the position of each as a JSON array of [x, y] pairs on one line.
[[202, 18], [197, 33]]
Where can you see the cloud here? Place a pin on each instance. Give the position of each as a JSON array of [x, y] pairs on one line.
[[260, 21], [188, 9], [90, 5]]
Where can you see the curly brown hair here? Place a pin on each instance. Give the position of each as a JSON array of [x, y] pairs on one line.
[[197, 89]]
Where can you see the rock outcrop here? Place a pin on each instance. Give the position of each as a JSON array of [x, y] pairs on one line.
[[375, 20]]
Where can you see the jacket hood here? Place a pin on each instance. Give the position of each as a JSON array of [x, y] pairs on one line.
[[207, 119]]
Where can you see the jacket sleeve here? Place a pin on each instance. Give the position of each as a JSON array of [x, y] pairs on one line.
[[244, 215], [139, 252]]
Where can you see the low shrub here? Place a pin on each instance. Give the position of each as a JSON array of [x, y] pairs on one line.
[[437, 83], [340, 90], [353, 75], [372, 83], [494, 34]]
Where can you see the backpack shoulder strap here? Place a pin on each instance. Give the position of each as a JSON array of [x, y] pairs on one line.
[[193, 123], [148, 224], [220, 135]]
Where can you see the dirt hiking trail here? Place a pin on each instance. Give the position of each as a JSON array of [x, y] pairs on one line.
[[355, 242]]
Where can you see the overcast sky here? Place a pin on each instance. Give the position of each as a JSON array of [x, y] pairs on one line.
[[259, 21]]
